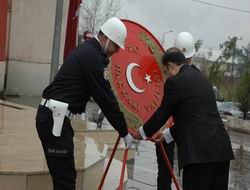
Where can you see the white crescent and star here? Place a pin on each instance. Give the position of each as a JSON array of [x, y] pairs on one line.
[[131, 83]]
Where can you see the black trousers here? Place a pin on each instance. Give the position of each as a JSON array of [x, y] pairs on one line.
[[59, 151], [164, 178], [209, 176]]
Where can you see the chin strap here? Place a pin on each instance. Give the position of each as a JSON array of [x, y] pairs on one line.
[[105, 48]]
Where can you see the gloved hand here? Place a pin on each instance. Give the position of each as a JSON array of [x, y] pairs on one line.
[[128, 140]]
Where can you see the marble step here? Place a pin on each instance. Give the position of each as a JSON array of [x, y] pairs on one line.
[[22, 162], [106, 135]]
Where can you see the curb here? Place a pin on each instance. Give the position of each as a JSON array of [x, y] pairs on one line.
[[237, 129]]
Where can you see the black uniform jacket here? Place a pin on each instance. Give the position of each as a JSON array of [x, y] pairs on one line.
[[199, 132], [81, 76]]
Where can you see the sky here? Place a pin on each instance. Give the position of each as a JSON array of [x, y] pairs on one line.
[[211, 24]]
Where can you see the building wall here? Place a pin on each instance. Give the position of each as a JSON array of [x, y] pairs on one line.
[[2, 73], [30, 44]]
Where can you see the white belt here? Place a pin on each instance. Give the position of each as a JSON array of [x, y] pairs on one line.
[[68, 114]]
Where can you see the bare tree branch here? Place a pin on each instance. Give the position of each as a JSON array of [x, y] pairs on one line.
[[94, 13]]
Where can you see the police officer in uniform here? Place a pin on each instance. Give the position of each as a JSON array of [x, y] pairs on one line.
[[184, 41], [83, 75]]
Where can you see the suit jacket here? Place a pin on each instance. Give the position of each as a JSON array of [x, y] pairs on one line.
[[199, 131]]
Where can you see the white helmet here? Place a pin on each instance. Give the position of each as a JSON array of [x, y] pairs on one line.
[[185, 42], [115, 30]]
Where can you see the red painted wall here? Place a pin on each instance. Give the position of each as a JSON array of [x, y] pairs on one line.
[[3, 28], [72, 24]]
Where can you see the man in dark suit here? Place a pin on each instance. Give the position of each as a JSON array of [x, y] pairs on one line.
[[184, 41], [204, 147]]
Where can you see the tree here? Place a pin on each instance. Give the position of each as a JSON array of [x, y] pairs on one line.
[[229, 50], [243, 92], [216, 74], [198, 44], [94, 13], [243, 88], [244, 57]]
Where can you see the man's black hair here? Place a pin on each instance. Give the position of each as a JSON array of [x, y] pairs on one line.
[[173, 55]]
